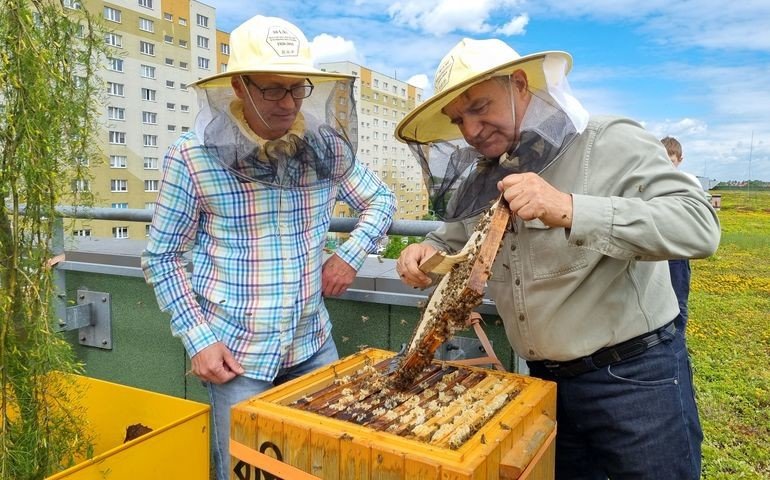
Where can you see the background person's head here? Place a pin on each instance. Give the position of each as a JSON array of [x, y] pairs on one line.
[[673, 149]]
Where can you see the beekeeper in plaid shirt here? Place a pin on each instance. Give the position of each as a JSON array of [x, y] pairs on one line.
[[249, 194]]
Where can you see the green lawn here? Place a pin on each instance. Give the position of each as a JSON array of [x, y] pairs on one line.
[[729, 340]]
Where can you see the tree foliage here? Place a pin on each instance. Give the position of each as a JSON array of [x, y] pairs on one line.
[[49, 81]]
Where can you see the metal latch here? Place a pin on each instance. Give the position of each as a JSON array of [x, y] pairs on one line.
[[92, 318]]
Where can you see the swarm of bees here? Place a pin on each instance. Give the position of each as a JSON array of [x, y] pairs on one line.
[[450, 304], [444, 407]]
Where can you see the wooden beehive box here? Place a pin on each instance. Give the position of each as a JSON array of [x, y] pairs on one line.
[[269, 434]]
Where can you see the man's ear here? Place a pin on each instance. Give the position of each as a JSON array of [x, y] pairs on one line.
[[238, 86], [520, 82]]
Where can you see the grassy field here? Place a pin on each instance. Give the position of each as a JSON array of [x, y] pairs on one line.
[[729, 340]]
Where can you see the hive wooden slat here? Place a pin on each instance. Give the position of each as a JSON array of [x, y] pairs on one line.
[[334, 448]]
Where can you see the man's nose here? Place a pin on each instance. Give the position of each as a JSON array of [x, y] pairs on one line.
[[287, 101], [471, 129]]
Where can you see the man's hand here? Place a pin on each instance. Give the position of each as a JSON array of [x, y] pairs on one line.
[[531, 197], [408, 265], [336, 276], [216, 364]]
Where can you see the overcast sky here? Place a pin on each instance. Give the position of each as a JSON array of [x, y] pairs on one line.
[[696, 70]]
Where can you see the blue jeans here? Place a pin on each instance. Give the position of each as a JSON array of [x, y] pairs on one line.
[[635, 419], [223, 397], [680, 280]]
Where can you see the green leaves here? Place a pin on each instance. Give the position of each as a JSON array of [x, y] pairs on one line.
[[48, 120]]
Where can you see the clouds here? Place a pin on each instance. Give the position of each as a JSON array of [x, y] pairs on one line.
[[328, 48], [695, 69], [440, 17]]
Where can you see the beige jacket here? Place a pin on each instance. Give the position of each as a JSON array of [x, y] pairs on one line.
[[565, 293]]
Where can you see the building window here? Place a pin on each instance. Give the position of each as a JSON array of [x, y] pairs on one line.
[[146, 25], [148, 71], [150, 118], [148, 94], [169, 84], [183, 65], [183, 43], [171, 128], [224, 48], [145, 3], [168, 39], [170, 62], [120, 205], [117, 138], [113, 40], [150, 205], [115, 64], [118, 161], [150, 163], [118, 185], [115, 89], [81, 186], [112, 14], [203, 42], [72, 4], [151, 185], [184, 108], [170, 106], [85, 232], [147, 48], [185, 129], [376, 83], [168, 16], [202, 21], [182, 21], [222, 67], [203, 63], [150, 140], [120, 232]]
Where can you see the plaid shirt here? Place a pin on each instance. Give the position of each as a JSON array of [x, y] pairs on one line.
[[257, 253]]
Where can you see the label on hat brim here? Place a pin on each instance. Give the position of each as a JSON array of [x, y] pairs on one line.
[[442, 74], [283, 41]]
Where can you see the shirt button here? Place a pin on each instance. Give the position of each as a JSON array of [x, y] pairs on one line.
[[513, 248], [518, 282], [531, 352], [521, 317], [579, 243]]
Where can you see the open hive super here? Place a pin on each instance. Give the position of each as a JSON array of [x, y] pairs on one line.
[[346, 421]]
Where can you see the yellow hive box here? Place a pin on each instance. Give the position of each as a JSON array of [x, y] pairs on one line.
[[269, 436], [177, 447]]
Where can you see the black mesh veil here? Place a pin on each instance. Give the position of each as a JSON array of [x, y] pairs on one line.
[[319, 149], [462, 183]]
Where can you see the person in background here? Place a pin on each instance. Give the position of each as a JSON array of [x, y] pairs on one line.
[[581, 279], [679, 268], [249, 194]]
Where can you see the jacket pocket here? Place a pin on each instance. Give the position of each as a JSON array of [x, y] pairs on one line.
[[550, 254]]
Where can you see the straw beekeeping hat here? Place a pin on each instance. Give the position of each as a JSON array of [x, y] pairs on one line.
[[268, 45], [471, 62]]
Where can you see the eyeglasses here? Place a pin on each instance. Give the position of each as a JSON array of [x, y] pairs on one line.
[[275, 94]]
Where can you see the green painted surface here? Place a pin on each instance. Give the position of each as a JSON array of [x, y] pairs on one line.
[[145, 354]]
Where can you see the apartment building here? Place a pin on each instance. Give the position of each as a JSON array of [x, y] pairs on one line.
[[381, 102], [157, 48]]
